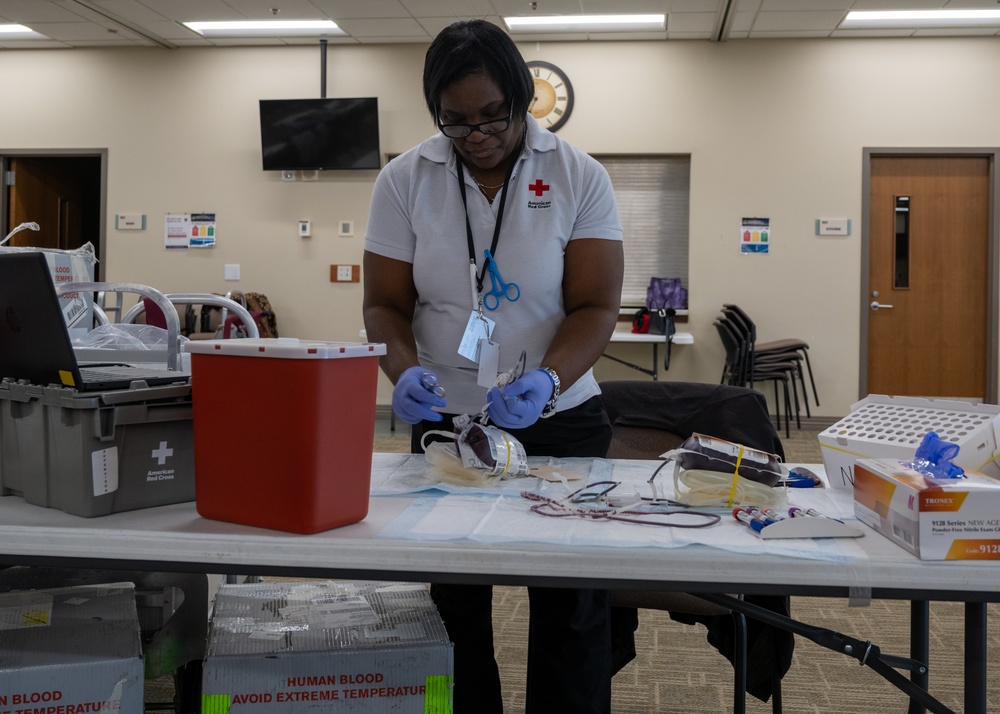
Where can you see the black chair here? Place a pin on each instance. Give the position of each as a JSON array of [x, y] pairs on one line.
[[771, 348], [649, 418], [790, 360], [738, 371]]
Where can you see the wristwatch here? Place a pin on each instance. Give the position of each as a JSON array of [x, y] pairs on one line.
[[550, 406]]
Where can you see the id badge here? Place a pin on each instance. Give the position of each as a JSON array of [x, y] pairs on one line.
[[489, 363], [478, 328]]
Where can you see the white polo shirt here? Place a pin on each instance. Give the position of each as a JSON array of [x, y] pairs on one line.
[[556, 194]]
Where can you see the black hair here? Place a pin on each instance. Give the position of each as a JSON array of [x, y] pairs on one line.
[[476, 47]]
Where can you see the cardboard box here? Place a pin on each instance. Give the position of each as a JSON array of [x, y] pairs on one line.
[[363, 647], [96, 453], [935, 519], [71, 649], [284, 430], [71, 266], [883, 427]]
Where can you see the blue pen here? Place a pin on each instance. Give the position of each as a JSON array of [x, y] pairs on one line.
[[800, 478]]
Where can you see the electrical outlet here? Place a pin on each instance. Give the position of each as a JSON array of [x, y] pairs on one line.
[[343, 273], [287, 175]]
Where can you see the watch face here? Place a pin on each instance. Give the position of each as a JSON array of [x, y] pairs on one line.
[[553, 99]]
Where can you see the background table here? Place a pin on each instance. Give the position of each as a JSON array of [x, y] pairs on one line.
[[621, 336]]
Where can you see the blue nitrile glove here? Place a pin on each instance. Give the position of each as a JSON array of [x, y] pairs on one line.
[[521, 402], [934, 458], [413, 397]]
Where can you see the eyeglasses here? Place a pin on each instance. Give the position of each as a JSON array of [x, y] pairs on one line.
[[460, 131]]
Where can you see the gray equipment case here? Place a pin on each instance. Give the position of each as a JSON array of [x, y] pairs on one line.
[[96, 453]]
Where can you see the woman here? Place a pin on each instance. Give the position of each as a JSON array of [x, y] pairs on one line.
[[494, 180]]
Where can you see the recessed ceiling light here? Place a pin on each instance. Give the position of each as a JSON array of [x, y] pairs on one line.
[[585, 23], [245, 28], [921, 18], [16, 30]]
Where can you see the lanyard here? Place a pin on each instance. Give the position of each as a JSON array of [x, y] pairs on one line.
[[480, 276]]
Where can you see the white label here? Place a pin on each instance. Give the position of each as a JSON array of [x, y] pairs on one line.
[[489, 363], [331, 612], [477, 328], [104, 467]]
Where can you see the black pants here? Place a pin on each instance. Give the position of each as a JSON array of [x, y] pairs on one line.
[[569, 637]]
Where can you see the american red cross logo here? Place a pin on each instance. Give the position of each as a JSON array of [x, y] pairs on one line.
[[538, 187]]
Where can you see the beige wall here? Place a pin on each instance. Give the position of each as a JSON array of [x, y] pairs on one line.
[[774, 128]]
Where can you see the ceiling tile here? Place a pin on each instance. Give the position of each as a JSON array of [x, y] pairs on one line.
[[808, 22], [461, 8], [287, 9], [34, 11], [82, 32], [550, 7], [691, 22], [626, 36], [131, 10], [144, 22], [346, 9], [389, 27], [805, 5]]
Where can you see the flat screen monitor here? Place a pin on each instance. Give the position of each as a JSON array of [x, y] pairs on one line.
[[319, 134]]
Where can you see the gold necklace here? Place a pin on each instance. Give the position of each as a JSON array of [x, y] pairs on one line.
[[484, 187]]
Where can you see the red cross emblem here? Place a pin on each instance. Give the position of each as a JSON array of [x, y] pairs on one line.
[[538, 187]]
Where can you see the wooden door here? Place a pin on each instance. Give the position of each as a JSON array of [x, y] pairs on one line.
[[60, 194], [928, 260]]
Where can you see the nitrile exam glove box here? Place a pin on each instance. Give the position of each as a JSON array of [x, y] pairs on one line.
[[935, 519]]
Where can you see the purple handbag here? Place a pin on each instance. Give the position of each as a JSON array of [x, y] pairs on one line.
[[666, 292]]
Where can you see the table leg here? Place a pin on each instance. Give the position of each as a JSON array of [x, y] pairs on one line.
[[919, 647], [654, 373], [975, 658]]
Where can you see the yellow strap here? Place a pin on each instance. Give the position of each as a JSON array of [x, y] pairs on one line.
[[506, 466], [986, 463], [736, 477]]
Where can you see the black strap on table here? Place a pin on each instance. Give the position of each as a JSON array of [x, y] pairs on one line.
[[865, 652]]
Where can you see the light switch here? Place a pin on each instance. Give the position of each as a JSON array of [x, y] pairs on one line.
[[232, 271], [305, 229]]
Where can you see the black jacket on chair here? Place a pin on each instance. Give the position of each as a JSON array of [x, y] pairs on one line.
[[649, 418]]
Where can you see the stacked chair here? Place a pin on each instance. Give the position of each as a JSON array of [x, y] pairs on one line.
[[787, 348], [780, 362]]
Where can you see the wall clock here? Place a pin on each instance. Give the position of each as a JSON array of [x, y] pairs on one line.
[[553, 100]]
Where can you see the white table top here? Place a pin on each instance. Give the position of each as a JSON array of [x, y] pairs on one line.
[[175, 537], [680, 338]]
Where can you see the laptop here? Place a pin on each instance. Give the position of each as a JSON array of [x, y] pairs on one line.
[[35, 343]]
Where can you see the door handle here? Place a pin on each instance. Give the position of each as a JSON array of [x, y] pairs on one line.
[[876, 305]]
